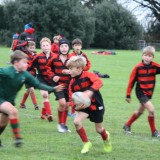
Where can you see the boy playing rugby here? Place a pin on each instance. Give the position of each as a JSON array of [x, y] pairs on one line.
[[59, 73], [30, 51], [89, 84], [12, 79], [144, 75], [39, 62]]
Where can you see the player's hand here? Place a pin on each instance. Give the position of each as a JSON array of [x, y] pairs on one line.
[[80, 106], [128, 100], [59, 88], [88, 93], [56, 78], [66, 71]]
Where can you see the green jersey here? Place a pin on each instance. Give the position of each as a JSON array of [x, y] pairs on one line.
[[11, 81]]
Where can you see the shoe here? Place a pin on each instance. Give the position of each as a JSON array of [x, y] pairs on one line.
[[50, 118], [86, 147], [103, 75], [108, 144], [18, 142], [23, 106], [44, 117], [127, 129], [156, 134], [95, 72], [36, 107], [63, 128], [1, 145]]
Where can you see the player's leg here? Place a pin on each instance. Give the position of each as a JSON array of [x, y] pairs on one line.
[[78, 122], [25, 96], [105, 136], [133, 118], [12, 112], [33, 97], [62, 115], [151, 119], [3, 123], [46, 110]]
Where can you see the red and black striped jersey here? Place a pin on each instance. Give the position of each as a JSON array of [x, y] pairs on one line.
[[144, 76], [88, 65], [55, 67], [88, 81], [39, 62], [31, 56]]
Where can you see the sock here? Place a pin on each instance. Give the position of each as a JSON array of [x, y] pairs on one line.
[[60, 117], [151, 122], [2, 128], [72, 110], [25, 96], [15, 127], [64, 116], [43, 112], [104, 135], [131, 119], [48, 108], [82, 134], [33, 97]]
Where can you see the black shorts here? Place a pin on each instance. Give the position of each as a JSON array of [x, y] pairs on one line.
[[27, 86], [95, 116], [141, 97], [62, 94]]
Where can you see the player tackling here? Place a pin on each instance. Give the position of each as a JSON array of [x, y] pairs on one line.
[[12, 79]]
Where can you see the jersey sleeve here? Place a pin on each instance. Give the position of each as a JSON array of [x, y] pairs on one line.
[[32, 81], [96, 81], [88, 65], [132, 80], [48, 67]]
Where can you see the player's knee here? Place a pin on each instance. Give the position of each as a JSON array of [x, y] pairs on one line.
[[151, 112], [99, 130], [45, 95], [77, 122], [139, 114], [31, 90], [14, 112]]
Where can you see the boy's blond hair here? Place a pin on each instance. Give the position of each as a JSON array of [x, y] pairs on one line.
[[76, 61], [56, 37], [149, 50], [31, 43], [17, 56], [45, 39]]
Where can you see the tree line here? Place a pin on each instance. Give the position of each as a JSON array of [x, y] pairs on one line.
[[106, 24]]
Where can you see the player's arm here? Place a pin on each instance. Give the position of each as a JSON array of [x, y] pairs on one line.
[[88, 65], [96, 84], [32, 81], [49, 71], [132, 80]]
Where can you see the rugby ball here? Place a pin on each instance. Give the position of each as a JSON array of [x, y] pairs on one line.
[[79, 98]]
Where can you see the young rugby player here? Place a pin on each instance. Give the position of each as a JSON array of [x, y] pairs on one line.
[[30, 51], [144, 75], [39, 62], [12, 79], [59, 73], [89, 84]]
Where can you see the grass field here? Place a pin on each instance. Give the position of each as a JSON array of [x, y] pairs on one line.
[[43, 142]]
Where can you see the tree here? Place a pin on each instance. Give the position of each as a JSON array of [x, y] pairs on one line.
[[51, 17], [115, 27]]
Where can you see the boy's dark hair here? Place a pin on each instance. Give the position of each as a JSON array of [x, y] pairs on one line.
[[76, 41], [17, 56], [63, 41]]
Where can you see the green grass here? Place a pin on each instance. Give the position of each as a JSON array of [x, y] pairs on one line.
[[43, 142]]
